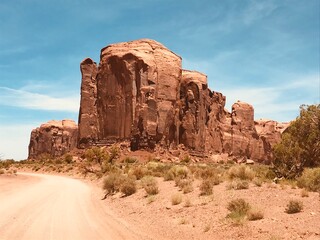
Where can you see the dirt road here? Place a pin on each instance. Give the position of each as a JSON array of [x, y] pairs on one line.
[[35, 206]]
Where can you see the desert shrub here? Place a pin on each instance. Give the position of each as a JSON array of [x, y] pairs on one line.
[[176, 199], [129, 160], [114, 153], [294, 206], [139, 171], [157, 169], [238, 185], [238, 208], [128, 186], [300, 144], [97, 155], [107, 167], [205, 173], [258, 182], [151, 199], [112, 183], [177, 172], [209, 173], [58, 161], [185, 159], [206, 187], [168, 176], [184, 185], [45, 157], [242, 172], [254, 214], [150, 185], [310, 179], [68, 158]]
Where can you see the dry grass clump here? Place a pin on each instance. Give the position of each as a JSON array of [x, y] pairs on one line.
[[112, 183], [176, 199], [150, 185], [128, 186], [238, 185], [177, 171], [239, 209], [209, 172], [138, 171], [157, 169], [294, 206], [185, 185], [257, 181], [241, 172], [310, 180], [206, 187], [151, 199], [254, 214]]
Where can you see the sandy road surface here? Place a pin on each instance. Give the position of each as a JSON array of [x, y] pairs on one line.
[[35, 206]]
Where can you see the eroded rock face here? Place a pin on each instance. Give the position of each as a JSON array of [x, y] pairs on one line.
[[137, 88], [54, 137], [139, 93]]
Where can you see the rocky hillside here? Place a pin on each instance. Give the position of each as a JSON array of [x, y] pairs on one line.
[[139, 93]]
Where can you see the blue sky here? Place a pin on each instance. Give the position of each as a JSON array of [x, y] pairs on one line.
[[262, 52]]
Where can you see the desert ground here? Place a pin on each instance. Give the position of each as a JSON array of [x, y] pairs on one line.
[[37, 206], [47, 206]]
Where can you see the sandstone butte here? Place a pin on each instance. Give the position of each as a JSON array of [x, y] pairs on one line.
[[140, 94]]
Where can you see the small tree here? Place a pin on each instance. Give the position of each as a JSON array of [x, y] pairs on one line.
[[300, 144]]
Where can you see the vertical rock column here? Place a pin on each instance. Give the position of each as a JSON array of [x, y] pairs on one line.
[[88, 110]]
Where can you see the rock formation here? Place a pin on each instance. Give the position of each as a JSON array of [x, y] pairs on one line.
[[54, 137], [88, 111], [140, 93]]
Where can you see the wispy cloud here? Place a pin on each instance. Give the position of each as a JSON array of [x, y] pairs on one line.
[[257, 10], [30, 100], [280, 102]]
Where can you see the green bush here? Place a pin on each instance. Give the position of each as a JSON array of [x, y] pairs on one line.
[[310, 179], [97, 155], [300, 144]]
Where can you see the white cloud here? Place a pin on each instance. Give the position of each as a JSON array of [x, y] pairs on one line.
[[14, 140], [29, 100]]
